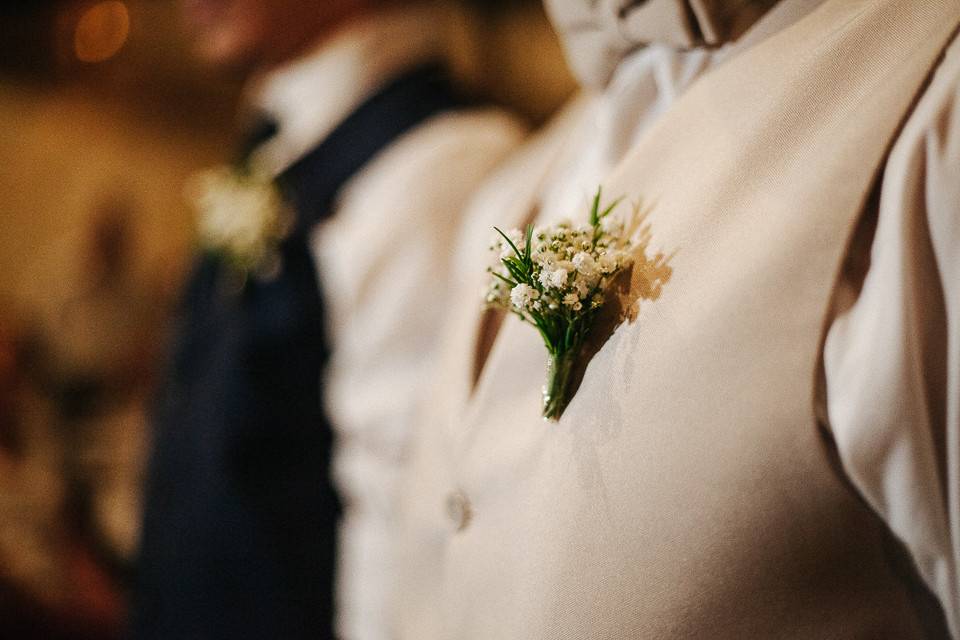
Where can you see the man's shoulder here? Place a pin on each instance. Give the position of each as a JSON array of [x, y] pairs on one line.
[[458, 137], [438, 163]]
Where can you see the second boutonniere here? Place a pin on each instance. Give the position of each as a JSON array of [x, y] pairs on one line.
[[243, 218], [555, 278]]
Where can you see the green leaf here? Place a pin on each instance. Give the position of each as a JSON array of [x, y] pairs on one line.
[[609, 209], [527, 256], [507, 280], [539, 322], [518, 271], [594, 210], [509, 241]]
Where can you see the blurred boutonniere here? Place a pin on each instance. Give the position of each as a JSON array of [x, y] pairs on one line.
[[243, 218], [556, 279]]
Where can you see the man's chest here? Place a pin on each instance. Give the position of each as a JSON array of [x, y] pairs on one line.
[[687, 488]]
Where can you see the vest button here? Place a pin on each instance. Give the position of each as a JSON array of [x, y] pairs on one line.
[[458, 510]]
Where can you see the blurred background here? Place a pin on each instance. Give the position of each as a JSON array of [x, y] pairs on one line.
[[103, 115]]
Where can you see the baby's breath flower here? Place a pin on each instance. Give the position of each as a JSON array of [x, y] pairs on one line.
[[585, 264], [607, 263], [556, 279], [242, 216], [522, 295], [553, 277]]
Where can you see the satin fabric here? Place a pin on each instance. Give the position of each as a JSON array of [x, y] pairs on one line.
[[598, 34]]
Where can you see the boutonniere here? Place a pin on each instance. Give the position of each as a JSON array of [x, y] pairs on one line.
[[556, 278], [243, 218]]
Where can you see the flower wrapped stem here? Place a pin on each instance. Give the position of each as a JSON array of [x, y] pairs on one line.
[[554, 278], [556, 390]]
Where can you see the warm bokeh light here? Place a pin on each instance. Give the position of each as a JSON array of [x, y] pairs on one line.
[[101, 31]]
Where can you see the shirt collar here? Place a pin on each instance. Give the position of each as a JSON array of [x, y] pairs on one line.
[[310, 96]]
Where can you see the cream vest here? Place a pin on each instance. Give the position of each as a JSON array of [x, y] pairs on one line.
[[688, 491]]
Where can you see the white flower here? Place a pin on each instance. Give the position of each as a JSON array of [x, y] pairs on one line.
[[522, 295], [585, 264], [556, 279], [544, 257], [611, 225], [571, 299], [607, 263], [623, 258], [240, 215]]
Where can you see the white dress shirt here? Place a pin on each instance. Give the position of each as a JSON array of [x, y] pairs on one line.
[[381, 259], [895, 343], [896, 333]]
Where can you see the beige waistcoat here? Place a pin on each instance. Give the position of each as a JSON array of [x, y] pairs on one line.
[[688, 491]]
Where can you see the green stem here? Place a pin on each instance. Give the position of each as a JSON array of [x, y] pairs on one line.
[[556, 392]]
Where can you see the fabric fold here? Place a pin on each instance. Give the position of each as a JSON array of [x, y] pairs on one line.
[[598, 34]]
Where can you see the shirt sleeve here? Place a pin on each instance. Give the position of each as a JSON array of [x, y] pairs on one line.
[[892, 352]]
